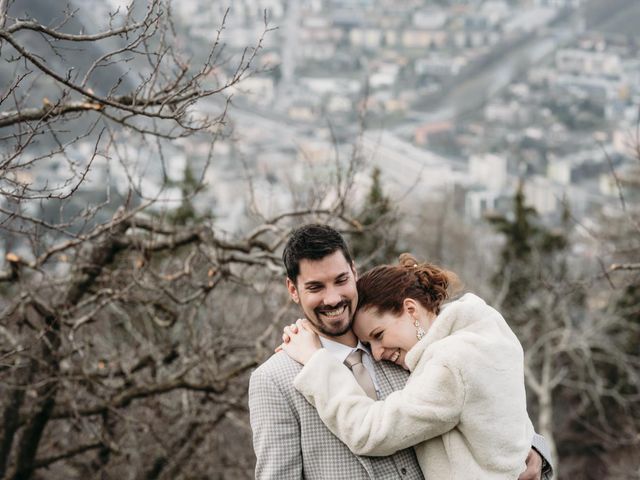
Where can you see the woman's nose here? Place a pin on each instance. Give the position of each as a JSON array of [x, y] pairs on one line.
[[377, 350]]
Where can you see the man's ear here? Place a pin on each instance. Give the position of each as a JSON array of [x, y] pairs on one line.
[[293, 291], [353, 269]]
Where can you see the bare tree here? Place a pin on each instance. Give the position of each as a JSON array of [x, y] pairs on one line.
[[127, 332], [577, 322]]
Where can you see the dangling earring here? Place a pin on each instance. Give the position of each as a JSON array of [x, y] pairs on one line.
[[420, 333]]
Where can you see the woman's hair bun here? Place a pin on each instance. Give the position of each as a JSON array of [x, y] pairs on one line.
[[407, 260], [385, 287]]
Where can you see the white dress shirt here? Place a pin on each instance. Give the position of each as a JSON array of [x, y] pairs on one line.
[[341, 352]]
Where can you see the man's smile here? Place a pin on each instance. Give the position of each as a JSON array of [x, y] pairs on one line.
[[334, 312]]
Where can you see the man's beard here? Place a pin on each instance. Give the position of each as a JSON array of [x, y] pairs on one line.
[[323, 328]]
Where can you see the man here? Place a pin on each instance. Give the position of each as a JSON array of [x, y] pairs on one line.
[[290, 440]]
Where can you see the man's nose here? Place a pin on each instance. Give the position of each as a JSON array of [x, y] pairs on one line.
[[332, 297]]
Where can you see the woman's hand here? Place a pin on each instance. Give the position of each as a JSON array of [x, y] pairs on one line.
[[300, 341]]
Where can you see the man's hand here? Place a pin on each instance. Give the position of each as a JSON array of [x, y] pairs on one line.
[[534, 467], [302, 342]]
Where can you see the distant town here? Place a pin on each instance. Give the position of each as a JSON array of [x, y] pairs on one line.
[[465, 98]]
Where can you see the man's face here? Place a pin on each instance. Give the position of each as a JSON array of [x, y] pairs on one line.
[[326, 291]]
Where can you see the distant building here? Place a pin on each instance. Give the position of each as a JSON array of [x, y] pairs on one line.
[[414, 38], [316, 51], [495, 11], [505, 113], [329, 85], [368, 38], [339, 104], [558, 3], [424, 134], [559, 171], [529, 19], [629, 177], [543, 194], [430, 18], [480, 202], [579, 166], [489, 171], [586, 62], [440, 65]]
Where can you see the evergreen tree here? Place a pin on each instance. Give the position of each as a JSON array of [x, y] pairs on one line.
[[377, 242], [186, 213], [527, 243], [533, 295]]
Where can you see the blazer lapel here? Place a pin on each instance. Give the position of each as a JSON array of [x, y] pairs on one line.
[[366, 464], [390, 377]]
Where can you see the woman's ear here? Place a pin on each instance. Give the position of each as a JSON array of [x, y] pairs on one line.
[[410, 306]]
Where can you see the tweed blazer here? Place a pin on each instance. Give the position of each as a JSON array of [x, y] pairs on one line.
[[290, 440]]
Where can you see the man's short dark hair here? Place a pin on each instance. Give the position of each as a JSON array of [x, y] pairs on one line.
[[312, 242]]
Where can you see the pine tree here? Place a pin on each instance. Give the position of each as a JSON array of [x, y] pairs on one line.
[[527, 242], [377, 243], [532, 279], [186, 213]]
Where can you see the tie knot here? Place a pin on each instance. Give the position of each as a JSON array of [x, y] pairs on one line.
[[354, 358]]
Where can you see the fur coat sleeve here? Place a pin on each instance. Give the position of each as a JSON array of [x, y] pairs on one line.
[[422, 410]]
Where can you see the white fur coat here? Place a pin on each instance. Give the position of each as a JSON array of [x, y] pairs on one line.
[[463, 408]]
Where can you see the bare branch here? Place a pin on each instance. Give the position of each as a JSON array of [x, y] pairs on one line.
[[4, 5], [151, 16], [624, 266], [125, 397], [45, 462]]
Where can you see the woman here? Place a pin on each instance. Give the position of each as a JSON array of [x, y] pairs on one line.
[[463, 407]]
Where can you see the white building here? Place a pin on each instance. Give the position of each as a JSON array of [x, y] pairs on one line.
[[479, 202], [558, 3], [586, 62], [430, 18], [385, 76], [370, 38], [543, 194], [489, 170], [559, 171], [440, 65]]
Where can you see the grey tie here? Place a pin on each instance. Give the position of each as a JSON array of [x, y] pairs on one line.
[[354, 362]]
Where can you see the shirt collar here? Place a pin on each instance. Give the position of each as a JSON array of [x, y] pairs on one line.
[[341, 351]]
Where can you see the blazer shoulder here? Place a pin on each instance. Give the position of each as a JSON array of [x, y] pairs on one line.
[[279, 367]]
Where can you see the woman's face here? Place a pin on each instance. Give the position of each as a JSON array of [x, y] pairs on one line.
[[389, 336]]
